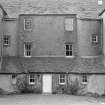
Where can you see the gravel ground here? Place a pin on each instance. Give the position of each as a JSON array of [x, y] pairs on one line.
[[45, 99]]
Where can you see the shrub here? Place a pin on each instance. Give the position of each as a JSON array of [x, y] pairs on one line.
[[24, 87], [73, 88], [22, 84], [93, 94], [61, 89], [2, 92]]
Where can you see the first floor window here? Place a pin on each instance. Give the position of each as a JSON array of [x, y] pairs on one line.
[[69, 50], [94, 38], [31, 79], [6, 40], [84, 78], [62, 79], [27, 49]]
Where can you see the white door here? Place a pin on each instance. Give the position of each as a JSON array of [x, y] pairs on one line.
[[47, 83]]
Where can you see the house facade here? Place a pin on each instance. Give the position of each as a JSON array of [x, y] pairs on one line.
[[51, 51]]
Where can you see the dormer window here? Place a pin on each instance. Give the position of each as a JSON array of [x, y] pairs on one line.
[[28, 24]]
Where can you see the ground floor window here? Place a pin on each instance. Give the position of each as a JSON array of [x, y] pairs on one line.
[[84, 78], [13, 78], [32, 79], [62, 79]]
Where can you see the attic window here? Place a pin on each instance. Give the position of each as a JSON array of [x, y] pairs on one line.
[[68, 24], [28, 24], [99, 2]]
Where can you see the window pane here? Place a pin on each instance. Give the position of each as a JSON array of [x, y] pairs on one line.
[[70, 53], [70, 47], [67, 47], [67, 53]]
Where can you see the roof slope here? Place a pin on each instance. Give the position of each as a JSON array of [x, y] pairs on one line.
[[12, 65], [90, 65], [52, 64], [85, 8]]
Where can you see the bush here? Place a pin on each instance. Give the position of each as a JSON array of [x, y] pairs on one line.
[[22, 84], [93, 94], [73, 88], [2, 92], [61, 89], [24, 87]]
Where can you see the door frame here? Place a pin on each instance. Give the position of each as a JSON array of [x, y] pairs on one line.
[[43, 84]]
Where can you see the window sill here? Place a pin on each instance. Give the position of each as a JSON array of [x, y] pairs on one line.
[[84, 83], [95, 42], [6, 45], [69, 56], [62, 83], [28, 30], [27, 56], [31, 83]]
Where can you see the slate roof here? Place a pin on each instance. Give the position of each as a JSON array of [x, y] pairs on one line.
[[11, 65], [90, 65], [52, 65], [84, 8]]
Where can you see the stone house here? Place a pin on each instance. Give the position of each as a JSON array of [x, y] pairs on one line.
[[52, 44]]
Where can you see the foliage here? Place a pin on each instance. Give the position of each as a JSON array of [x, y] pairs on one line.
[[61, 89], [2, 92], [73, 88], [21, 84], [24, 87]]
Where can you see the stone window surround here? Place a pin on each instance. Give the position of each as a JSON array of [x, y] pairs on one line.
[[32, 77], [70, 50], [6, 40], [94, 38], [28, 27], [62, 77], [27, 52]]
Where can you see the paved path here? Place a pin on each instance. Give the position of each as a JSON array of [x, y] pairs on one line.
[[39, 99]]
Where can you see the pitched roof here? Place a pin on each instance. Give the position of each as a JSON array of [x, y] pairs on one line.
[[90, 65], [52, 64], [84, 8], [11, 65], [49, 64]]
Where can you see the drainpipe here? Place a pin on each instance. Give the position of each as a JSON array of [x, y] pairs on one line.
[[4, 15]]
